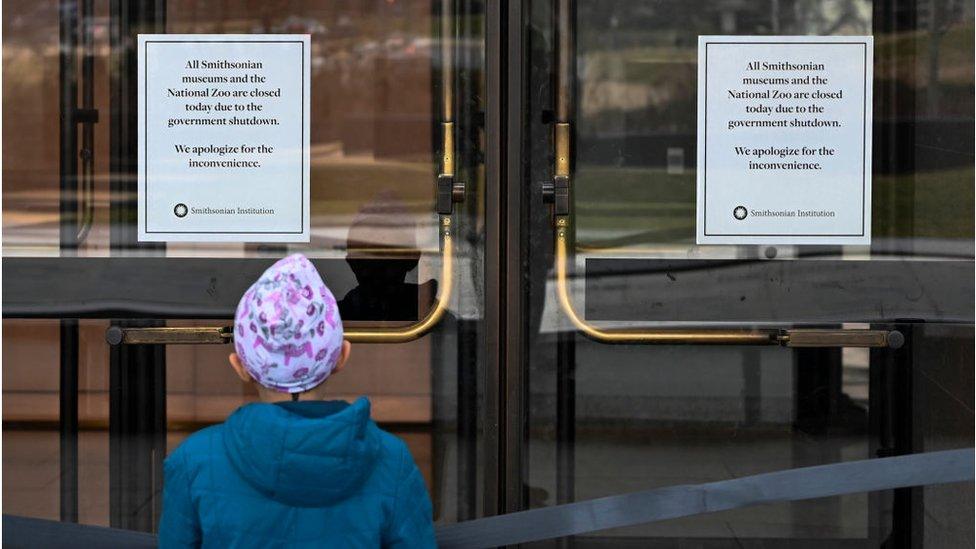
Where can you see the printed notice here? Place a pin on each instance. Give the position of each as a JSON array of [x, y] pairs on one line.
[[784, 139], [223, 137]]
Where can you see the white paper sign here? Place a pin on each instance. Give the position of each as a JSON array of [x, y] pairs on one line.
[[784, 139], [223, 137]]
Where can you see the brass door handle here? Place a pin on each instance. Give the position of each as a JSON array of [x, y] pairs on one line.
[[448, 191], [192, 335], [798, 337], [422, 327], [117, 335], [559, 193]]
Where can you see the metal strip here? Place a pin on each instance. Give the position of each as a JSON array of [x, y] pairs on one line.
[[495, 258], [447, 158], [447, 62], [68, 243], [509, 73], [137, 375], [87, 152], [68, 97], [839, 338], [564, 22], [208, 288], [563, 151], [68, 419], [789, 338], [209, 335]]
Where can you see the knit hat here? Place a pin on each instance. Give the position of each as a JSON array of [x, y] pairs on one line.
[[288, 333]]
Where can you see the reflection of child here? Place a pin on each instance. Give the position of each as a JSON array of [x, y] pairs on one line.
[[383, 292], [294, 470]]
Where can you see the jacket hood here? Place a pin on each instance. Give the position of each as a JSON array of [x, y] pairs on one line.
[[304, 454]]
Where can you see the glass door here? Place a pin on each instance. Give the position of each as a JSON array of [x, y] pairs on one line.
[[503, 199], [114, 349], [652, 361]]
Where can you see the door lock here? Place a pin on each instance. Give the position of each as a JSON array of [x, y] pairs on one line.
[[449, 192], [556, 192]]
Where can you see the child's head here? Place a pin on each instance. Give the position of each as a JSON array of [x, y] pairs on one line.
[[287, 330]]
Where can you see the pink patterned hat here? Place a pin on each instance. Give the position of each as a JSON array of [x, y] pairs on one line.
[[287, 329]]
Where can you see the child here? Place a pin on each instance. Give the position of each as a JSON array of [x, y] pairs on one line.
[[294, 470]]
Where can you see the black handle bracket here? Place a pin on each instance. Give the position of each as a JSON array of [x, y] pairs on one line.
[[449, 192]]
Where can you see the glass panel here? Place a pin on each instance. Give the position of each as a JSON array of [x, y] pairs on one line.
[[636, 118], [30, 130], [32, 443], [376, 145], [605, 419], [374, 88], [413, 397]]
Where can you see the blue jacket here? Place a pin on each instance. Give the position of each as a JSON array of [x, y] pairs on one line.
[[295, 474]]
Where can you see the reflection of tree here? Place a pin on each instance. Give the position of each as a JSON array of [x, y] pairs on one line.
[[637, 86], [937, 17], [637, 60], [828, 17], [677, 23]]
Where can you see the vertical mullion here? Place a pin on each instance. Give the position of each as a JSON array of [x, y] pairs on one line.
[[468, 116], [504, 254], [514, 259], [565, 63], [895, 115], [467, 419], [68, 210], [68, 420], [137, 374], [493, 435], [566, 417], [68, 77]]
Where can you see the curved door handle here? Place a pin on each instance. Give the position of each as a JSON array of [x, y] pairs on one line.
[[559, 194], [795, 337], [205, 335], [448, 192]]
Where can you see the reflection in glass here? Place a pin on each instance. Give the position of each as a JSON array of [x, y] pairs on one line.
[[375, 84], [381, 251], [373, 91], [605, 419]]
